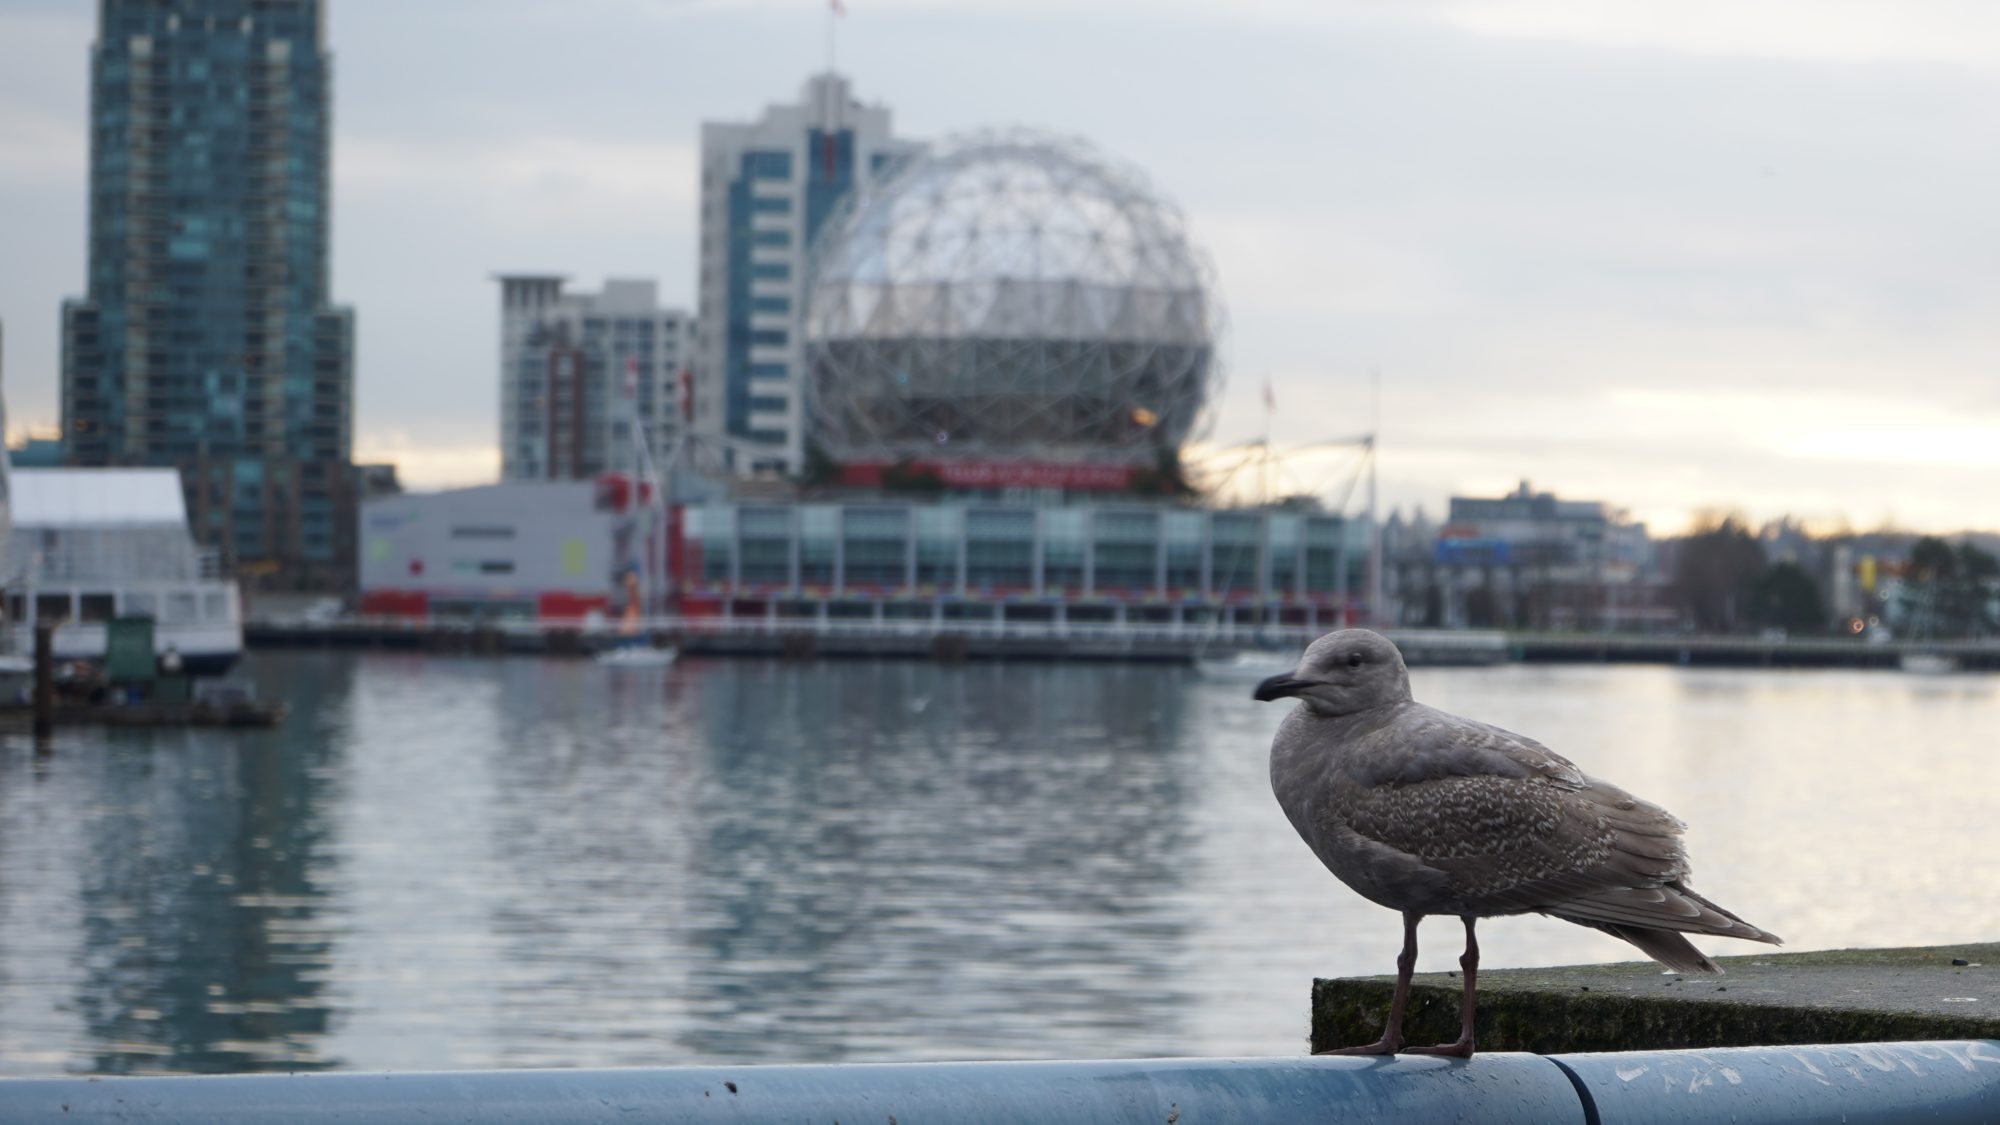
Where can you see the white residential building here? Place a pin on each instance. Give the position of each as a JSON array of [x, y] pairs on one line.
[[766, 186], [566, 403]]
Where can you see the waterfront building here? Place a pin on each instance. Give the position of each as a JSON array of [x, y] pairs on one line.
[[767, 186], [967, 558], [577, 368], [518, 549], [1530, 560], [88, 545], [206, 340], [547, 550]]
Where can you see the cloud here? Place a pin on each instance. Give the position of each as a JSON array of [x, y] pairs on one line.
[[40, 149], [1882, 430], [1835, 31], [1528, 216], [567, 179], [424, 464]]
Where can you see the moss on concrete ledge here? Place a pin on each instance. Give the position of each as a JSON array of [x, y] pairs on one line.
[[1836, 996]]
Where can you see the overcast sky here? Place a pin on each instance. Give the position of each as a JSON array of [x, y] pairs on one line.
[[1676, 255]]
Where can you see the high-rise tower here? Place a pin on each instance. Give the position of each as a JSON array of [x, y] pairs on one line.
[[577, 370], [766, 186], [206, 340]]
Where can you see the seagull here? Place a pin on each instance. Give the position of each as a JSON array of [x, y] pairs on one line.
[[1425, 812]]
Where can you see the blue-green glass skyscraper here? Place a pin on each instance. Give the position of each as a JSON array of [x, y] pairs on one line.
[[207, 340]]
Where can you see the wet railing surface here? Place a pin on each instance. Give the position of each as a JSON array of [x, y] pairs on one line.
[[1952, 1081]]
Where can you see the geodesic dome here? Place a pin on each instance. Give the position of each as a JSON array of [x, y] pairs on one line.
[[1007, 295]]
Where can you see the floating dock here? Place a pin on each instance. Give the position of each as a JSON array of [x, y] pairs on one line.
[[840, 638]]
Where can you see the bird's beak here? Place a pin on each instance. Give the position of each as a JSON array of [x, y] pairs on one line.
[[1277, 687]]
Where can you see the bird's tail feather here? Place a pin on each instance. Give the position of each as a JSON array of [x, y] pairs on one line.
[[1667, 947]]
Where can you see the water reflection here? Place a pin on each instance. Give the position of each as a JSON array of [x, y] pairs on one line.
[[460, 862], [897, 886], [199, 942]]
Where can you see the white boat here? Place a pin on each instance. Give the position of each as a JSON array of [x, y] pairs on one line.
[[637, 656], [1251, 665], [1927, 663], [90, 545]]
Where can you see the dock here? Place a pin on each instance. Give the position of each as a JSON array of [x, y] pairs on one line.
[[196, 714], [838, 638], [1184, 643]]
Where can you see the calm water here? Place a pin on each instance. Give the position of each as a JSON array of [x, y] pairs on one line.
[[467, 862]]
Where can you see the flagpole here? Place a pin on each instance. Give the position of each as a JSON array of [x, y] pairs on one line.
[[833, 13], [1264, 461]]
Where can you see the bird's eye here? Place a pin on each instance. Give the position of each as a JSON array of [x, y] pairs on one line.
[[1354, 660]]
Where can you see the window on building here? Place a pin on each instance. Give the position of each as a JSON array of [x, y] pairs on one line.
[[999, 549], [497, 566], [770, 205], [52, 607], [771, 238], [771, 271], [771, 304], [1233, 559], [768, 165], [819, 529], [875, 551], [1063, 538], [96, 607], [1126, 553], [769, 337], [483, 531]]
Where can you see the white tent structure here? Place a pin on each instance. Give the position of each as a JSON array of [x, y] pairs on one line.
[[87, 545]]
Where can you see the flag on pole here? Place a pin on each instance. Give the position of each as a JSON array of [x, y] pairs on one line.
[[1270, 400], [838, 8], [631, 385]]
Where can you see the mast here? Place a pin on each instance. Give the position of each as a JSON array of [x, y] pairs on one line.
[[1375, 607], [1375, 617]]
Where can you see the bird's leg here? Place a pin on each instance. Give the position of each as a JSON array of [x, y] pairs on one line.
[[1406, 964], [1469, 962]]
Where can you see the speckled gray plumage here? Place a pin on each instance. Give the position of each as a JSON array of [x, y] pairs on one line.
[[1421, 810]]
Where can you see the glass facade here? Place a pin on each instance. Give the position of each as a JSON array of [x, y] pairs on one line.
[[768, 187], [206, 339], [905, 556]]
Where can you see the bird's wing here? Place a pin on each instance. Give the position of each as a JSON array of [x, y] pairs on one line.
[[1516, 827], [1426, 744]]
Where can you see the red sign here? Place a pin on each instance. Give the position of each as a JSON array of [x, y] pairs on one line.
[[994, 474]]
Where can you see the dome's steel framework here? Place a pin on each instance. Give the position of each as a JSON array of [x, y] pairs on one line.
[[1008, 296]]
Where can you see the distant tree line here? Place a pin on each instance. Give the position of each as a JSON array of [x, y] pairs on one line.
[[1723, 582], [1950, 589]]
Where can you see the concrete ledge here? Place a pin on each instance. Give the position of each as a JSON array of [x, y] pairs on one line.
[[1836, 996]]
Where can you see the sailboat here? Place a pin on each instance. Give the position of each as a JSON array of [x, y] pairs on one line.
[[1927, 660], [633, 647]]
